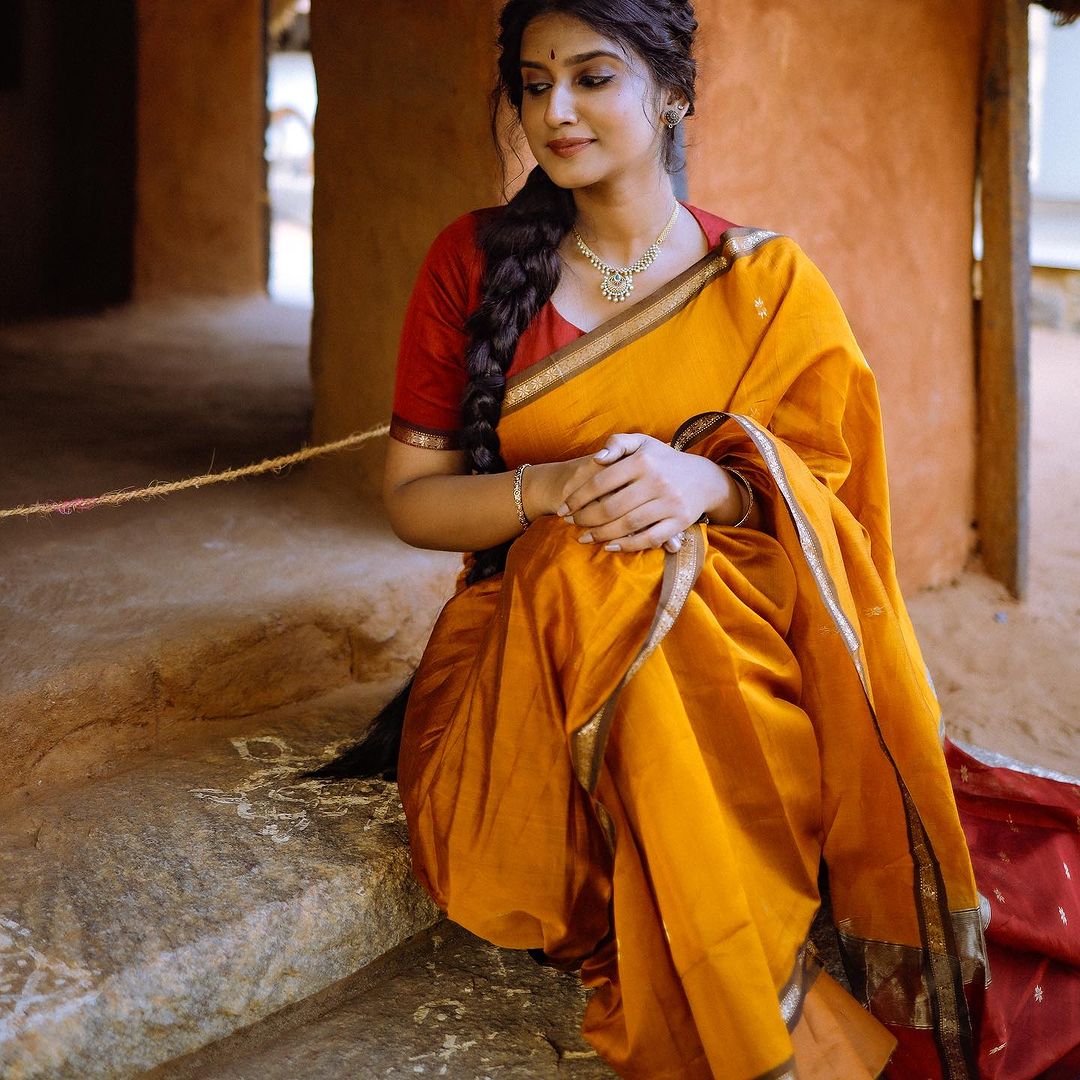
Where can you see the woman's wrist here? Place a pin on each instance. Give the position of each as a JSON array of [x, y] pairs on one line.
[[728, 500], [541, 489]]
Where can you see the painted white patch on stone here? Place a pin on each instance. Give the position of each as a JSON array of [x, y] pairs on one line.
[[424, 1011], [280, 807], [450, 1047], [31, 982]]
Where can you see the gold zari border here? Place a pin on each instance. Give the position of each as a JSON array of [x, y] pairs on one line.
[[563, 365], [890, 980], [425, 438]]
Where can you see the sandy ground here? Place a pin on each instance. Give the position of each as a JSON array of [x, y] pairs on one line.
[[1008, 671]]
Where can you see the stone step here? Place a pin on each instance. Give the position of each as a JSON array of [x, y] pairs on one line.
[[460, 1008], [124, 626], [148, 913]]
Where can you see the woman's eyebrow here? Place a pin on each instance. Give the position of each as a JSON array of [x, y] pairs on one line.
[[573, 60]]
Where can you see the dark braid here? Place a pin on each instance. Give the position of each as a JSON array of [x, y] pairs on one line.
[[520, 246]]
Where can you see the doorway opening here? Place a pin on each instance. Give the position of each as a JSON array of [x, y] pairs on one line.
[[291, 99]]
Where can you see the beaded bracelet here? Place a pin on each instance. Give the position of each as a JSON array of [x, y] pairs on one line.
[[522, 516]]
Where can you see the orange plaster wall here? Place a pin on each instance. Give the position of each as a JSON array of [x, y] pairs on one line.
[[855, 134], [402, 147], [200, 215]]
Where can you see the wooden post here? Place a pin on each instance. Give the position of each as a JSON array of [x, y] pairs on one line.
[[1003, 360]]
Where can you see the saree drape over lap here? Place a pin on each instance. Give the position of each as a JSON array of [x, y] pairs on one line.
[[638, 761]]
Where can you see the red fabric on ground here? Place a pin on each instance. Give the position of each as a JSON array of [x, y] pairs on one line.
[[1024, 834]]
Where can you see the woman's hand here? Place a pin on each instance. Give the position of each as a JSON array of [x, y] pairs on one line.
[[643, 494]]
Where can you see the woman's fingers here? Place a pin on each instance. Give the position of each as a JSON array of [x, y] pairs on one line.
[[597, 486], [641, 517], [607, 508], [620, 446], [658, 535]]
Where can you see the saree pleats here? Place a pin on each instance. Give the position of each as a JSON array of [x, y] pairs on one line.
[[637, 762]]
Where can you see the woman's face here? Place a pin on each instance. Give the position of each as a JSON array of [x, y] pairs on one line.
[[590, 110]]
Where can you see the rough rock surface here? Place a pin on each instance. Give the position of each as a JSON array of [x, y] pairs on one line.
[[467, 1010], [149, 913], [200, 609]]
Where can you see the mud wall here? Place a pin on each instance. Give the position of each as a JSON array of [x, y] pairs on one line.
[[855, 134], [201, 219], [401, 148]]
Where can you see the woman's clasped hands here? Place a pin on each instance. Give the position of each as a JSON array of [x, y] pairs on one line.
[[638, 493]]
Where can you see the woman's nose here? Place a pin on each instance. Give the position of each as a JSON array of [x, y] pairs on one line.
[[560, 106]]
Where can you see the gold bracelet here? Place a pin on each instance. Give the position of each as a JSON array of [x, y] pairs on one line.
[[522, 516], [749, 492]]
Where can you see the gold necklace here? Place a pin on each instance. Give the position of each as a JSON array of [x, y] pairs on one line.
[[618, 281]]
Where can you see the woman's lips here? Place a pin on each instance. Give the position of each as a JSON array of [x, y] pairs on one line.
[[566, 148]]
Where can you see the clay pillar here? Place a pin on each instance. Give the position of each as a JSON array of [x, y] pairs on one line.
[[855, 134], [402, 147], [200, 225]]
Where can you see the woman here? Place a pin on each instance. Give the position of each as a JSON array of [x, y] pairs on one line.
[[677, 678]]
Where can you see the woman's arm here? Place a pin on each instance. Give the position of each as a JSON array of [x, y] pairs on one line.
[[656, 492], [434, 502]]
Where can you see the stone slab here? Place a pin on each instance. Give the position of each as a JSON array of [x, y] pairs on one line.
[[152, 912], [466, 1010], [119, 628]]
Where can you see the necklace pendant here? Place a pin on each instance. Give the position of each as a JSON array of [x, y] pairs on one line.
[[617, 285]]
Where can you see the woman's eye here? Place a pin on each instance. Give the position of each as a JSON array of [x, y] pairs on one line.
[[596, 80], [535, 88]]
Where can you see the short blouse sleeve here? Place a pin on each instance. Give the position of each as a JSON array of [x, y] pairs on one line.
[[431, 377]]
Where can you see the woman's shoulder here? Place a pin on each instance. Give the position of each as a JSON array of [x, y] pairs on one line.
[[459, 237], [721, 230], [766, 249], [713, 225], [754, 245], [453, 263]]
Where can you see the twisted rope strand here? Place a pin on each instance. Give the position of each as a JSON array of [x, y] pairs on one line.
[[276, 464]]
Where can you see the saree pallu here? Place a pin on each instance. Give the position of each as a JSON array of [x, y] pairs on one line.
[[638, 761]]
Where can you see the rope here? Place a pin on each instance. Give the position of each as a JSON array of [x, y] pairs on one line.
[[117, 498]]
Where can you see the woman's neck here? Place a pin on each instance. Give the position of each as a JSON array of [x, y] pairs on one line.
[[620, 224]]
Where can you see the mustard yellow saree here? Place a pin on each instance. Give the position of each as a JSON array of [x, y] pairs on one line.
[[638, 762]]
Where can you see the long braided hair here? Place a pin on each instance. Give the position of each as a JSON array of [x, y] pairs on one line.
[[520, 251]]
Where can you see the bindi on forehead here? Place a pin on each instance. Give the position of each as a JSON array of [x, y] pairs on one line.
[[552, 54]]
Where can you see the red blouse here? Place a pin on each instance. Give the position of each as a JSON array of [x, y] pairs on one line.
[[431, 375]]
